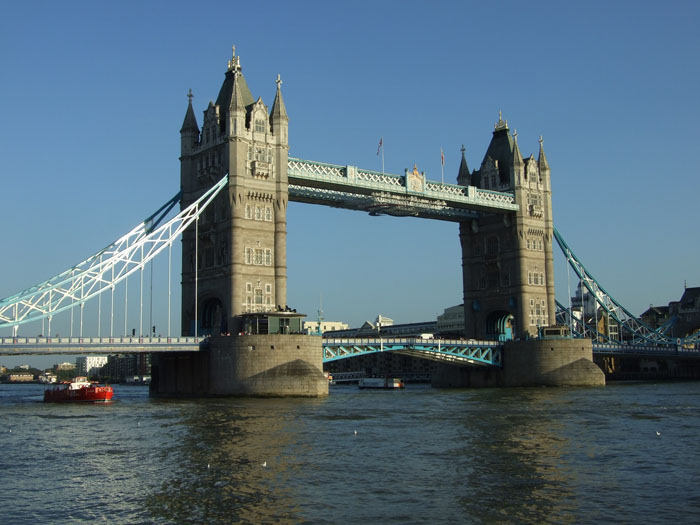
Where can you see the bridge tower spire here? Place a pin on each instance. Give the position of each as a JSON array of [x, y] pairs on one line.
[[507, 262]]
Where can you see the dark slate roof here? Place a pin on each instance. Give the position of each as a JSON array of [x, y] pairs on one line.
[[190, 122], [690, 296], [463, 177], [659, 311], [224, 98], [501, 149]]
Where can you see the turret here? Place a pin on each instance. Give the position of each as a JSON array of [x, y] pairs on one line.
[[542, 162], [463, 177], [189, 133], [517, 163], [279, 121]]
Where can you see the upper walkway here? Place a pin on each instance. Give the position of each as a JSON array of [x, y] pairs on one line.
[[379, 193]]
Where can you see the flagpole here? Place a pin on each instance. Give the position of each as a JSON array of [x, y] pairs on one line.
[[382, 158], [442, 166]]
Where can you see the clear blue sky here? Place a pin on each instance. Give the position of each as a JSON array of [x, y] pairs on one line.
[[94, 94]]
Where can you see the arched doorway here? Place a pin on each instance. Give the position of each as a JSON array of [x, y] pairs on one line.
[[213, 320], [500, 325]]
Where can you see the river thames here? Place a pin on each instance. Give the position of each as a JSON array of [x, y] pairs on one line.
[[628, 452]]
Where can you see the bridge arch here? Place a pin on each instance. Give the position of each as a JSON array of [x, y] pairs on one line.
[[500, 325], [213, 318]]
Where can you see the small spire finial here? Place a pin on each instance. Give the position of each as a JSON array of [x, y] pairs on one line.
[[501, 124], [278, 81], [515, 134], [540, 140], [463, 149], [190, 95], [235, 62]]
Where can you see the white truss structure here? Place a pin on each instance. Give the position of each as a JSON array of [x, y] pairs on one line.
[[104, 270]]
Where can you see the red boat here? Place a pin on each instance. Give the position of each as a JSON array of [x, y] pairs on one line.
[[80, 389]]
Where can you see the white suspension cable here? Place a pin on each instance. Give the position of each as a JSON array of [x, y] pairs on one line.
[[110, 266]]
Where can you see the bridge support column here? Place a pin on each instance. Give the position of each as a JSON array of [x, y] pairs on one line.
[[537, 362], [268, 365]]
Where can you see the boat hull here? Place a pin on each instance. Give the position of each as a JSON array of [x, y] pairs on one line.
[[86, 394], [380, 383]]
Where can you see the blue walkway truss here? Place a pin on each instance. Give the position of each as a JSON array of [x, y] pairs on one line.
[[464, 352]]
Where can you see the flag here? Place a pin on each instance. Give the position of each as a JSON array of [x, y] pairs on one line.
[[381, 143], [442, 157]]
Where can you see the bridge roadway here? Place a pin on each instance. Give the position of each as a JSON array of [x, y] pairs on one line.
[[458, 351], [97, 345], [485, 353]]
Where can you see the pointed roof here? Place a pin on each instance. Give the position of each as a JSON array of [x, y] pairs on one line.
[[190, 122], [517, 157], [463, 177], [235, 88], [501, 149], [542, 159], [279, 111], [690, 295]]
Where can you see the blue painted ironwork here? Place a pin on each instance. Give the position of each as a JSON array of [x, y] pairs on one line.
[[481, 353], [648, 350], [638, 331]]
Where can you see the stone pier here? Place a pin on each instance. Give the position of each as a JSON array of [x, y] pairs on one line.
[[536, 362], [261, 365]]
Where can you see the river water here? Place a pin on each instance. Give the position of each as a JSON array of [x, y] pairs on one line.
[[628, 452]]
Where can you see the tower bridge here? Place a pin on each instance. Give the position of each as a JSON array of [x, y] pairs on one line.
[[236, 180]]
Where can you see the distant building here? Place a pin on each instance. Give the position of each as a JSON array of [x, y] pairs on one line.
[[24, 367], [311, 327], [450, 324], [47, 377], [687, 312], [385, 327], [682, 316], [65, 366], [655, 316], [585, 307], [21, 378], [143, 365], [122, 367], [384, 321], [90, 365]]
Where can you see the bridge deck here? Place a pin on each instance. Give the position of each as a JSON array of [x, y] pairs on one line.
[[97, 345]]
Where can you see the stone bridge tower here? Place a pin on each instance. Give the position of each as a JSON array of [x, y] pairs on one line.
[[507, 263], [236, 263]]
